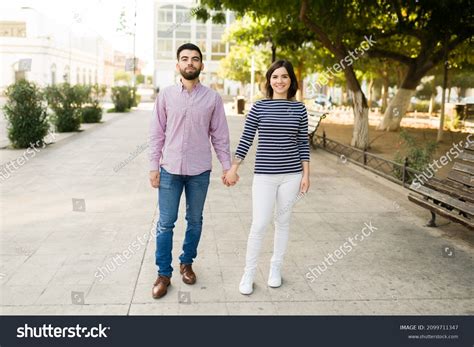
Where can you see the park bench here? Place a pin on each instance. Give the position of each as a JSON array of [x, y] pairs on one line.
[[314, 119], [453, 197]]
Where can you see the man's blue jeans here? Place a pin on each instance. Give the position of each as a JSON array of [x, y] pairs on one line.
[[169, 194]]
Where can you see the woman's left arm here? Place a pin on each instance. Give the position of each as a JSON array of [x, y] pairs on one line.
[[303, 146], [304, 186]]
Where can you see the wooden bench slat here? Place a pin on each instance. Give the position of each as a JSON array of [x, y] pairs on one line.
[[461, 177], [469, 146], [446, 188], [455, 185], [467, 157], [469, 169], [433, 194], [440, 211]]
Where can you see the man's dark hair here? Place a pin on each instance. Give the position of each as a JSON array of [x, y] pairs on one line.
[[294, 82], [189, 46]]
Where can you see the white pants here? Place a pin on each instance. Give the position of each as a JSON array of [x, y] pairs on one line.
[[268, 191]]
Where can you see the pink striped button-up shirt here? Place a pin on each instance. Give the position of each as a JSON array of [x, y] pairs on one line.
[[183, 126]]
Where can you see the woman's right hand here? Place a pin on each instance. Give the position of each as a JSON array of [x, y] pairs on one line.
[[231, 178]]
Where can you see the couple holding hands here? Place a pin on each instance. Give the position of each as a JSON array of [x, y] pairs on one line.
[[187, 118]]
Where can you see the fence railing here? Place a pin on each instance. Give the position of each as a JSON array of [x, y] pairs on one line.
[[396, 172]]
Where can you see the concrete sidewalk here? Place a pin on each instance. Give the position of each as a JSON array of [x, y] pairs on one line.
[[71, 211]]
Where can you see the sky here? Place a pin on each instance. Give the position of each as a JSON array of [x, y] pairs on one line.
[[102, 17]]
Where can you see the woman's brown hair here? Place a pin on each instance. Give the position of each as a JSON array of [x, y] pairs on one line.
[[294, 82]]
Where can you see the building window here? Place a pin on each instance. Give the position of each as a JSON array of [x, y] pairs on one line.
[[218, 50], [217, 32], [165, 16], [165, 49], [183, 32]]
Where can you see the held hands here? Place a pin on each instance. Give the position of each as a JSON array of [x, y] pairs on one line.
[[230, 178]]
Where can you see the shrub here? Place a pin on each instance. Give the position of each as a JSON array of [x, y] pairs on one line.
[[121, 98], [419, 156], [26, 115], [91, 114], [66, 102], [124, 98]]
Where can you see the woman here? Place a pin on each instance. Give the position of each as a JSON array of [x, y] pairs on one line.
[[281, 167]]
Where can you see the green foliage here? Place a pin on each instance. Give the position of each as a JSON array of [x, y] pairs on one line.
[[124, 76], [91, 114], [26, 115], [124, 98], [424, 106], [419, 155], [66, 102]]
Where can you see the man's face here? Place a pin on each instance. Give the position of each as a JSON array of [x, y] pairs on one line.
[[189, 64]]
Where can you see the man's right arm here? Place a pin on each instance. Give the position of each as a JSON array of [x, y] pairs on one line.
[[157, 138]]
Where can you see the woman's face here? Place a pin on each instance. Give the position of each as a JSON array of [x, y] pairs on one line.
[[280, 81]]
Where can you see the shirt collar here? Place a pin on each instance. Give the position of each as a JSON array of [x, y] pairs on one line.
[[195, 88]]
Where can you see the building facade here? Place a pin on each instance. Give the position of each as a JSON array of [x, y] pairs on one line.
[[34, 47], [175, 25]]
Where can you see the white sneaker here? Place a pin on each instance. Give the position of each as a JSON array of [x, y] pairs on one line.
[[274, 278], [246, 283]]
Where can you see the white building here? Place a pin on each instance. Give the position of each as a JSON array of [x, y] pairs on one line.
[[173, 26], [56, 53]]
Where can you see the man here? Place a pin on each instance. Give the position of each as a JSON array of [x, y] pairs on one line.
[[186, 116]]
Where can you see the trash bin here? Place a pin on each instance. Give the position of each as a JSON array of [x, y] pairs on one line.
[[240, 105], [460, 108]]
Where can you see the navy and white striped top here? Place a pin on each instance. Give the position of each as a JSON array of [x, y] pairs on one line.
[[282, 136]]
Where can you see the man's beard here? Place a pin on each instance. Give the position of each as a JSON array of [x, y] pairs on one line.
[[190, 75]]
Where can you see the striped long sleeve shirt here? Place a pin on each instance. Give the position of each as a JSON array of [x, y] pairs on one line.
[[282, 136]]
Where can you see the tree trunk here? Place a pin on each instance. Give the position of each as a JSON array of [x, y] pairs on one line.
[[432, 101], [399, 104], [360, 132], [300, 92], [273, 52], [386, 85], [396, 110], [370, 88]]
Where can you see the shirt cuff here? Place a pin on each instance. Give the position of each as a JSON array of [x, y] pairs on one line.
[[226, 165], [155, 166]]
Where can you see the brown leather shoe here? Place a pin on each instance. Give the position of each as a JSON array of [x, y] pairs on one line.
[[189, 277], [160, 287]]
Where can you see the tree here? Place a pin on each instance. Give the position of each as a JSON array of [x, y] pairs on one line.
[[252, 36], [338, 20], [417, 35]]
